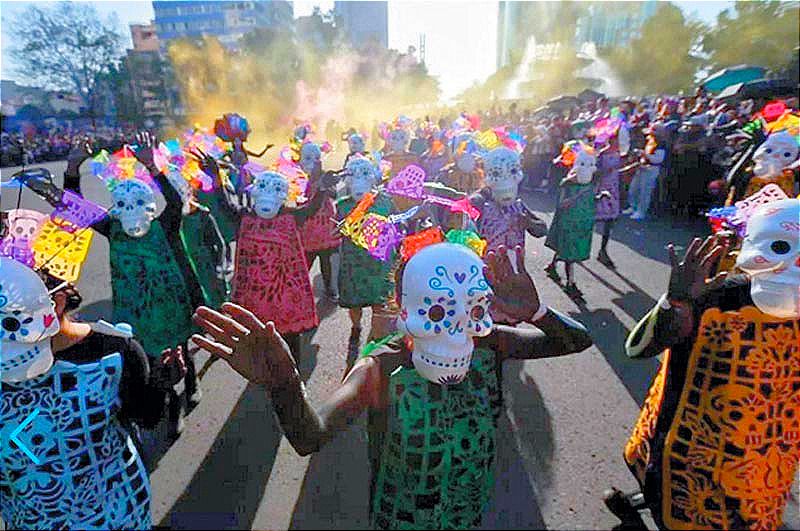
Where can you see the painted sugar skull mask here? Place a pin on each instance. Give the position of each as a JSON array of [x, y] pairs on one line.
[[771, 256], [444, 305], [310, 157], [503, 173], [355, 143], [27, 322], [134, 206], [398, 140], [268, 191], [362, 177], [583, 167], [777, 152]]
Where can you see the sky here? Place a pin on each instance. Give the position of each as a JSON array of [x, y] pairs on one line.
[[460, 36]]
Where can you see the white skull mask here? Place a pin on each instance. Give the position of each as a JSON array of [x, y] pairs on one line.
[[398, 140], [24, 224], [310, 157], [777, 152], [362, 177], [583, 168], [444, 305], [27, 322], [356, 143], [771, 256], [269, 191], [134, 206], [503, 173]]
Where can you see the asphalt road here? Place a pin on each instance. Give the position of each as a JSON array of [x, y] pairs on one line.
[[560, 442]]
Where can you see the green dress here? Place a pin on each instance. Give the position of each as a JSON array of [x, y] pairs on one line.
[[148, 289], [433, 449], [201, 242], [570, 233], [227, 220], [363, 280]]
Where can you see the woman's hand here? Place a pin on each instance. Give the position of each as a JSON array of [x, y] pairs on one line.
[[254, 349], [687, 281], [170, 368], [144, 152], [514, 291], [208, 164], [81, 151]]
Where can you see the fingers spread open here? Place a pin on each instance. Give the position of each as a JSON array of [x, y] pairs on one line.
[[691, 250], [243, 316], [216, 349], [216, 332], [222, 321]]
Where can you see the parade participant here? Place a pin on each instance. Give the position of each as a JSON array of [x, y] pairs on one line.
[[363, 280], [20, 229], [437, 154], [607, 208], [271, 273], [570, 234], [79, 386], [356, 145], [427, 389], [463, 174], [772, 162], [645, 181], [716, 443], [396, 150]]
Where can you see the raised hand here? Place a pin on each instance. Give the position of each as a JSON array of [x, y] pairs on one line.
[[40, 180], [207, 163], [146, 143], [687, 281], [170, 368], [254, 349], [80, 151], [514, 291]]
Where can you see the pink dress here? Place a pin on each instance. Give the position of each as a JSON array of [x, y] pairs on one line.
[[271, 274], [319, 233]]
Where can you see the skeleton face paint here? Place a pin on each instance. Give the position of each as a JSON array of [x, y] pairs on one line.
[[584, 167], [310, 157], [771, 256], [444, 305], [398, 140], [355, 143], [777, 152], [503, 173], [27, 322], [134, 206], [268, 191], [362, 177]]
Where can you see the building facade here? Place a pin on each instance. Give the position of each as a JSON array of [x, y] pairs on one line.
[[612, 24], [364, 23]]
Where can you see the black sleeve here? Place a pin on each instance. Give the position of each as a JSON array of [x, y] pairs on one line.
[[170, 218], [140, 402], [311, 208], [72, 183]]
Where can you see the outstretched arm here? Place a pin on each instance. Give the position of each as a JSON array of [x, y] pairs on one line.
[[259, 155], [257, 352]]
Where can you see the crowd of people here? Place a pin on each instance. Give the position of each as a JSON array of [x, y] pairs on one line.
[[427, 236], [33, 145]]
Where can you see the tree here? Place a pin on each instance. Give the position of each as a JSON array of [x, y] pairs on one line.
[[66, 46], [758, 33], [664, 57]]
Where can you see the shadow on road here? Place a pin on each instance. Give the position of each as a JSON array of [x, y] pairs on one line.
[[227, 488]]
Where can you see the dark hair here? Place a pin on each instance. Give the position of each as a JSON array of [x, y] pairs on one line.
[[74, 298]]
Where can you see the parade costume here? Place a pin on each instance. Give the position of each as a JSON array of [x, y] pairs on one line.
[[463, 174], [205, 246], [716, 445], [22, 228], [771, 161], [645, 181], [82, 470], [396, 149]]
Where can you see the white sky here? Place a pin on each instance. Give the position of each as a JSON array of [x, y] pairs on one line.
[[460, 35]]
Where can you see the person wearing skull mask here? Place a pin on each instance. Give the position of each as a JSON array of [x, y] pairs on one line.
[[80, 386], [772, 162], [356, 146], [463, 174], [363, 280], [427, 389], [716, 443], [396, 149]]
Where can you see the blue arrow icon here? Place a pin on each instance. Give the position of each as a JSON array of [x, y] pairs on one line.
[[13, 436]]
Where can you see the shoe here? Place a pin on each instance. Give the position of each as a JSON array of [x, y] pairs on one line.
[[627, 212], [638, 217], [552, 273], [193, 399], [175, 421], [604, 259], [573, 292]]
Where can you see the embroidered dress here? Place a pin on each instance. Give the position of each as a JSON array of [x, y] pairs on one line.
[[435, 454], [148, 289], [87, 473], [500, 225], [363, 280], [608, 208], [271, 274], [318, 232], [570, 233]]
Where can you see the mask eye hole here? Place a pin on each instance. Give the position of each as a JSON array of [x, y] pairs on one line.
[[780, 247], [436, 313], [477, 313], [140, 202], [11, 324], [769, 150], [787, 154], [120, 204]]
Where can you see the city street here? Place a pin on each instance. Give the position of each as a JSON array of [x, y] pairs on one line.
[[560, 442]]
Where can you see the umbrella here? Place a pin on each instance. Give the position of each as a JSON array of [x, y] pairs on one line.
[[730, 76], [562, 102], [760, 88], [590, 95]]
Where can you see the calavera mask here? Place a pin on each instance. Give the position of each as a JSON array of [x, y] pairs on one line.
[[268, 191], [398, 140], [23, 226], [444, 305], [362, 177], [27, 322], [584, 167], [134, 206], [777, 152], [503, 173], [356, 143], [310, 157], [771, 256]]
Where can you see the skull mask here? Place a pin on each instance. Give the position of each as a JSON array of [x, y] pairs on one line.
[[134, 206], [27, 322], [398, 140], [356, 143], [503, 173], [771, 256], [583, 167], [444, 305], [23, 226], [269, 191], [310, 157], [362, 177], [777, 152]]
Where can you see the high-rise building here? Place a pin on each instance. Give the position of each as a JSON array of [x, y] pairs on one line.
[[144, 37], [228, 21], [611, 24], [364, 23]]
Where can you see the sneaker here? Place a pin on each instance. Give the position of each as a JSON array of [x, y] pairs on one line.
[[638, 217], [627, 212]]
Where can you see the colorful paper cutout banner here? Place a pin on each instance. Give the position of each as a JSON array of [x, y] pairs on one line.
[[61, 253]]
